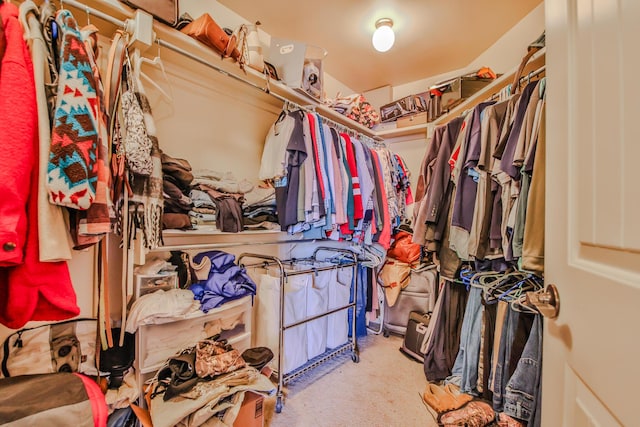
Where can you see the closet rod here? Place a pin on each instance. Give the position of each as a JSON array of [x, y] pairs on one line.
[[533, 73], [196, 246], [94, 12], [299, 272]]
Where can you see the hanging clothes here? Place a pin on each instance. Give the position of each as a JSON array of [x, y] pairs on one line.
[[339, 188], [55, 241], [29, 289], [73, 156]]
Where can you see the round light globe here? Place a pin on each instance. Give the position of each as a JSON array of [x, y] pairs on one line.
[[383, 38]]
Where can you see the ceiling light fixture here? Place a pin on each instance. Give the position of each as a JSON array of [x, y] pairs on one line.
[[383, 37]]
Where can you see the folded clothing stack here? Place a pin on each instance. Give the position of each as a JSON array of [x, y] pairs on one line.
[[227, 196], [176, 184], [259, 209]]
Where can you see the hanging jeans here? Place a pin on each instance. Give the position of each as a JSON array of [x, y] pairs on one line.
[[465, 369], [516, 331], [506, 340], [522, 394], [361, 322]]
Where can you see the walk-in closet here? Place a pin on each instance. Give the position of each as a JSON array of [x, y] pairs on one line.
[[265, 214]]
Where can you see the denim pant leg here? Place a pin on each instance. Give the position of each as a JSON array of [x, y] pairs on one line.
[[465, 369], [469, 383], [521, 397], [500, 380], [456, 371]]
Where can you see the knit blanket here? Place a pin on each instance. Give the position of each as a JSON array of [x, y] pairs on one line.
[[89, 226], [146, 203], [72, 173]]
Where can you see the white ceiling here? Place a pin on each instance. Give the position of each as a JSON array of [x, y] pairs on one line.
[[432, 36]]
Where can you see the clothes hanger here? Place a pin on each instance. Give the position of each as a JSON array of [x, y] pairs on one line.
[[529, 283], [157, 63], [520, 304], [495, 285]]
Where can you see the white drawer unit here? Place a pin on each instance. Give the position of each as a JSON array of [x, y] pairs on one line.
[[155, 343]]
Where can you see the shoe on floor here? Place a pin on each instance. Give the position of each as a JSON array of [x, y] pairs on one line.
[[475, 413], [438, 399], [460, 398]]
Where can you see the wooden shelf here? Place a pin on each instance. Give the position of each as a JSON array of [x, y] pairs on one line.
[[404, 133], [213, 231]]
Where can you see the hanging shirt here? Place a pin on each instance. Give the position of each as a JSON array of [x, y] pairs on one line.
[[348, 227], [384, 235], [338, 177], [274, 154], [366, 181], [317, 153], [426, 172], [358, 211], [467, 185], [287, 188], [311, 196]]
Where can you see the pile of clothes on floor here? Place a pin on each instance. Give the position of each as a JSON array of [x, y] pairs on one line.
[[207, 381], [206, 198]]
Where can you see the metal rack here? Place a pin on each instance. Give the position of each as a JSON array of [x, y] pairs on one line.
[[350, 345]]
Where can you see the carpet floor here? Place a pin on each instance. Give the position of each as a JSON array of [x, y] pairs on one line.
[[383, 390]]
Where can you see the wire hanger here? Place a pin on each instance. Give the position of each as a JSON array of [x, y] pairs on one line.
[[157, 63]]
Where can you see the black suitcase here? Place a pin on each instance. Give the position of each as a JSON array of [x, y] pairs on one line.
[[419, 295], [416, 335]]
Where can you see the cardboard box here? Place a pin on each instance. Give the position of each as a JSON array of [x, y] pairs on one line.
[[385, 126], [251, 412], [412, 120]]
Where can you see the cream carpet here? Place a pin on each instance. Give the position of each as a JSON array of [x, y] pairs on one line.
[[383, 390]]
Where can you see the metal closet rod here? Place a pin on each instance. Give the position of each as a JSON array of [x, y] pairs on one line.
[[117, 22], [309, 270], [196, 246]]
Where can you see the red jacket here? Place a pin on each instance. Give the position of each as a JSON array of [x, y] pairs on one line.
[[18, 127], [30, 289]]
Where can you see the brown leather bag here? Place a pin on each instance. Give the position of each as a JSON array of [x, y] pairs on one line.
[[207, 31]]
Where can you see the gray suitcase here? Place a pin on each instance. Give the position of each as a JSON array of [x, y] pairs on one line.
[[419, 295]]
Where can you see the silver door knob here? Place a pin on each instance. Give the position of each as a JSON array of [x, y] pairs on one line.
[[546, 301]]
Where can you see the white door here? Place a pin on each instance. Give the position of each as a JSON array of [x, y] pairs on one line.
[[591, 361]]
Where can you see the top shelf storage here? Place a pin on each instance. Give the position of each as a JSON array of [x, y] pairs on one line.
[[273, 92], [537, 61]]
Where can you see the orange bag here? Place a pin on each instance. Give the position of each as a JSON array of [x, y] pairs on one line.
[[403, 249], [207, 31]]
